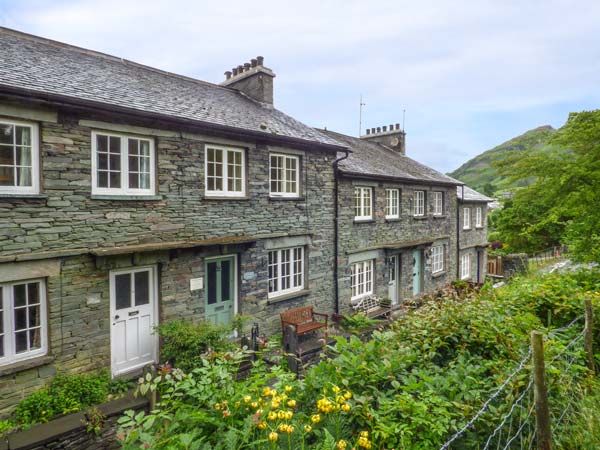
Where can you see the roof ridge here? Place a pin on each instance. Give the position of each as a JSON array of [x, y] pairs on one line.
[[110, 57]]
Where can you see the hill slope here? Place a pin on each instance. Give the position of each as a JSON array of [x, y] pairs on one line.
[[479, 172]]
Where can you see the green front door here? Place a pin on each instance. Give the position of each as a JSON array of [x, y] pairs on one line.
[[220, 290]]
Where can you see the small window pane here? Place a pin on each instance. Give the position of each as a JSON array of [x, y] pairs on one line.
[[115, 162], [34, 316], [115, 145], [23, 176], [134, 181], [134, 163], [7, 155], [23, 136], [142, 288], [225, 281], [35, 340], [33, 293], [102, 143], [20, 318], [211, 281], [103, 179], [20, 296], [21, 341], [7, 176], [6, 134], [102, 161], [23, 156], [115, 179], [123, 290]]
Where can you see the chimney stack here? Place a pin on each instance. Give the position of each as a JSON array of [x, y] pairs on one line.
[[253, 79], [391, 136]]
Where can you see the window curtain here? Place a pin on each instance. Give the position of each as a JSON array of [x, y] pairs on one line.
[[23, 156]]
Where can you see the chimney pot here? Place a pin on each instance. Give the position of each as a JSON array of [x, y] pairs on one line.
[[391, 127], [397, 126], [246, 67], [368, 131], [234, 71], [379, 129], [372, 130], [240, 69], [260, 60], [384, 128], [227, 75], [254, 62]]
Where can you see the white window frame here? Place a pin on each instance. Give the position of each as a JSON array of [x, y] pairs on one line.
[[294, 267], [10, 355], [284, 180], [225, 192], [363, 207], [419, 204], [124, 189], [362, 279], [438, 203], [35, 160], [466, 218], [437, 259], [478, 217], [465, 266], [392, 210]]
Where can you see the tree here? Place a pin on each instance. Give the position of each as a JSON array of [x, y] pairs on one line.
[[563, 202]]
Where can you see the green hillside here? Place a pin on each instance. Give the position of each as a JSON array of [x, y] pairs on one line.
[[479, 172]]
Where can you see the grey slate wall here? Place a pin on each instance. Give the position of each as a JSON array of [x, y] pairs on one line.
[[356, 236], [473, 240]]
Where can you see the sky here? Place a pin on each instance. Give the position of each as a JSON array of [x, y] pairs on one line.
[[468, 74]]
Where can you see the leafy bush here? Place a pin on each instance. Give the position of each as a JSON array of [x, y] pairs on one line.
[[6, 426], [410, 386], [183, 343], [358, 323], [65, 394]]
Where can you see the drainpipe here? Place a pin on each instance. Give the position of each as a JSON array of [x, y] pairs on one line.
[[336, 295], [462, 197]]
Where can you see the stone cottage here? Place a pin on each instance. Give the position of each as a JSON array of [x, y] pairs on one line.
[[397, 220], [472, 230], [130, 196]]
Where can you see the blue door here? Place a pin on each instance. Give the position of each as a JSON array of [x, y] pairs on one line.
[[417, 272]]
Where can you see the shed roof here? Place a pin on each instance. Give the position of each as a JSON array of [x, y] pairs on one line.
[[35, 66], [471, 195]]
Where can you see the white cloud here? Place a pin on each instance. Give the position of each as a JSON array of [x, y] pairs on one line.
[[453, 65]]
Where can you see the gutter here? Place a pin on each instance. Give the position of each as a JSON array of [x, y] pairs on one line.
[[336, 287], [175, 121]]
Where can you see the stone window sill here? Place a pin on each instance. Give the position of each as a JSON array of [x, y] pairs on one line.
[[466, 229], [287, 199], [127, 197], [26, 364], [364, 220], [420, 217], [392, 219], [479, 228], [224, 197], [31, 196], [443, 216], [291, 295], [438, 274]]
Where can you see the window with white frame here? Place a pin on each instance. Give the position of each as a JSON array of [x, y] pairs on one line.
[[225, 171], [438, 203], [286, 271], [361, 279], [392, 203], [419, 203], [19, 158], [285, 171], [466, 218], [22, 320], [478, 217], [465, 266], [122, 165], [363, 203], [437, 258]]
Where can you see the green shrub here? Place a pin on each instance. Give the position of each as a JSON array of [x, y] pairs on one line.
[[183, 343], [65, 394], [6, 426]]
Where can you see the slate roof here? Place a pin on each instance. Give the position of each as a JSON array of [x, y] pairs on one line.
[[471, 195], [38, 66], [370, 159]]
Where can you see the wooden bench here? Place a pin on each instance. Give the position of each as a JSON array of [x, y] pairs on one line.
[[304, 320], [371, 306]]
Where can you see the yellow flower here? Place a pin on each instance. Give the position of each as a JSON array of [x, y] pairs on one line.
[[217, 406], [347, 395], [291, 403], [288, 388], [315, 418], [289, 415], [281, 415], [341, 445], [226, 413], [254, 405], [290, 429], [345, 407], [364, 434], [247, 399], [273, 436], [262, 425], [272, 415], [307, 428], [275, 404], [336, 389], [266, 392]]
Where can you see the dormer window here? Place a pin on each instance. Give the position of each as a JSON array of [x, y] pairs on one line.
[[19, 158]]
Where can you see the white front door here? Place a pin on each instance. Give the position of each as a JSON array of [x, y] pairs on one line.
[[134, 315], [393, 279]]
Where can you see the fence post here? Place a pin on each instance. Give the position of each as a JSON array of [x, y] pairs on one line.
[[589, 335], [542, 412]]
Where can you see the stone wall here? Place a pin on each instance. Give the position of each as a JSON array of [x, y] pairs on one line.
[[474, 240], [67, 219], [407, 232]]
